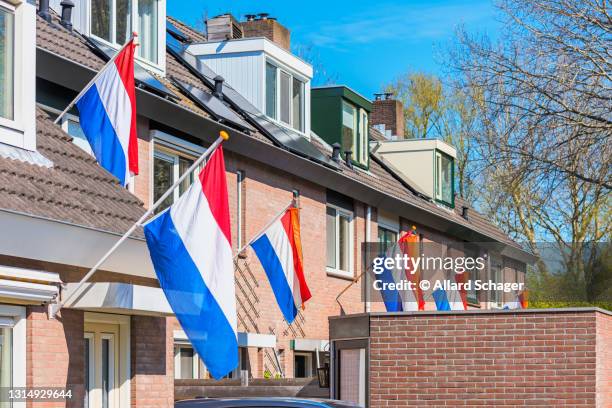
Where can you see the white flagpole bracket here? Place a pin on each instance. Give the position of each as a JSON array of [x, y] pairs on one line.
[[55, 308]]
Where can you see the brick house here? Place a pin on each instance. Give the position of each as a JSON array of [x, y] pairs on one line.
[[117, 344]]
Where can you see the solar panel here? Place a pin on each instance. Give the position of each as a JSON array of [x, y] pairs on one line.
[[287, 138], [176, 33], [141, 75], [212, 105]]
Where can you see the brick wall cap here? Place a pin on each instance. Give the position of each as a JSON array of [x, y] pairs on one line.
[[478, 311]]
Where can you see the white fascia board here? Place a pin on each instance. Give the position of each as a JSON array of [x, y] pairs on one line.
[[244, 339], [59, 242], [310, 345], [254, 45], [123, 297], [414, 145], [27, 292]]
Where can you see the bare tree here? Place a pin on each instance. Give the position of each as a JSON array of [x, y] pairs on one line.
[[554, 60]]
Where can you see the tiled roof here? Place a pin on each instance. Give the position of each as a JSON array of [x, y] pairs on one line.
[[193, 34], [75, 189], [54, 38]]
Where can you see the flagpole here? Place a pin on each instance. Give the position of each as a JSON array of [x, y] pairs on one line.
[[93, 80], [263, 230], [54, 308]]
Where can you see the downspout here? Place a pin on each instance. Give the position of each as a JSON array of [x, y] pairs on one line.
[[368, 231]]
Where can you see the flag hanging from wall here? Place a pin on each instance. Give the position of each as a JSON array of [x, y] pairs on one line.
[[190, 246], [107, 115], [279, 250]]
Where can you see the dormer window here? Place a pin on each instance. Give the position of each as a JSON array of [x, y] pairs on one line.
[[113, 22], [444, 189], [7, 65], [284, 97]]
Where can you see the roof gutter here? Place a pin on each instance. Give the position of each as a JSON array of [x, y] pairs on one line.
[[62, 71]]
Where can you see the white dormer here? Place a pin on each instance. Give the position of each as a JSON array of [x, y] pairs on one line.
[[275, 81], [113, 21], [18, 73]]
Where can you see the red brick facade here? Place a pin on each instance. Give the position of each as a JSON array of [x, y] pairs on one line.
[[389, 112], [270, 29], [530, 358]]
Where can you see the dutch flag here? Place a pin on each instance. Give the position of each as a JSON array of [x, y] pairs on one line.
[[279, 250], [191, 250], [107, 113]]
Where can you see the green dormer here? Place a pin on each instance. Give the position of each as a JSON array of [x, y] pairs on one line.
[[340, 115]]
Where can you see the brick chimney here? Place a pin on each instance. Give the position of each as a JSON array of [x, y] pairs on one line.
[[262, 25], [388, 114]]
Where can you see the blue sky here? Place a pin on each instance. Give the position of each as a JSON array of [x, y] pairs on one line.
[[363, 44]]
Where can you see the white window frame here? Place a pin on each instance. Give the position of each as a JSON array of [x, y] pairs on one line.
[[363, 137], [240, 175], [336, 271], [170, 148], [292, 75], [309, 363], [195, 364], [18, 315], [159, 66], [91, 359], [20, 131]]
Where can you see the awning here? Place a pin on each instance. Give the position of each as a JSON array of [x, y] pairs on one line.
[[244, 339], [310, 345], [124, 298], [27, 286]]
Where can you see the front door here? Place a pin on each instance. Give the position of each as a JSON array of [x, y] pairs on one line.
[[101, 365]]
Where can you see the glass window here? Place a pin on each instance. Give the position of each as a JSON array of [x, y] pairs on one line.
[[285, 84], [6, 360], [444, 178], [386, 238], [147, 29], [349, 127], [271, 90], [168, 166], [71, 125], [297, 105], [102, 19], [106, 372], [122, 27], [339, 240], [6, 64], [186, 356], [363, 137]]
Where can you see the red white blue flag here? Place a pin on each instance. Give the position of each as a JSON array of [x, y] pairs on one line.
[[279, 250], [191, 249], [107, 114]]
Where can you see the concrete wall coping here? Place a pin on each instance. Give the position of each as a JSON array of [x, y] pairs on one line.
[[478, 311]]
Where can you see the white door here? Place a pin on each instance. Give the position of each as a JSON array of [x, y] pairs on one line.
[[101, 365]]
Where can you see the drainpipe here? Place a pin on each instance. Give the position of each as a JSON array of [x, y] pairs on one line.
[[368, 304]]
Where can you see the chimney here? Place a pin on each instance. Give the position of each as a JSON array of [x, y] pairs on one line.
[[268, 27], [223, 27], [218, 87], [388, 112], [43, 10], [66, 21], [465, 212], [347, 159], [336, 152]]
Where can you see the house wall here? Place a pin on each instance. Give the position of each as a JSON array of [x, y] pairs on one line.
[[532, 358]]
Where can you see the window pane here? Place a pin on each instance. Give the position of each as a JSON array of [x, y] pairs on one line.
[[86, 380], [6, 64], [447, 179], [147, 29], [184, 164], [186, 356], [285, 85], [123, 25], [348, 127], [271, 90], [106, 373], [79, 138], [6, 360], [363, 138], [162, 180], [331, 237], [296, 101], [344, 242], [101, 19]]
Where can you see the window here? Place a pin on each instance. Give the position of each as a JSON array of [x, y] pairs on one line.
[[168, 166], [303, 365], [239, 208], [7, 64], [444, 173], [386, 238], [284, 97], [271, 90], [349, 127], [339, 226], [112, 21], [188, 365], [71, 125], [363, 148]]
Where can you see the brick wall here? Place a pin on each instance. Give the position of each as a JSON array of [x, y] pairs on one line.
[[271, 29], [390, 113], [55, 354], [152, 356], [541, 358]]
